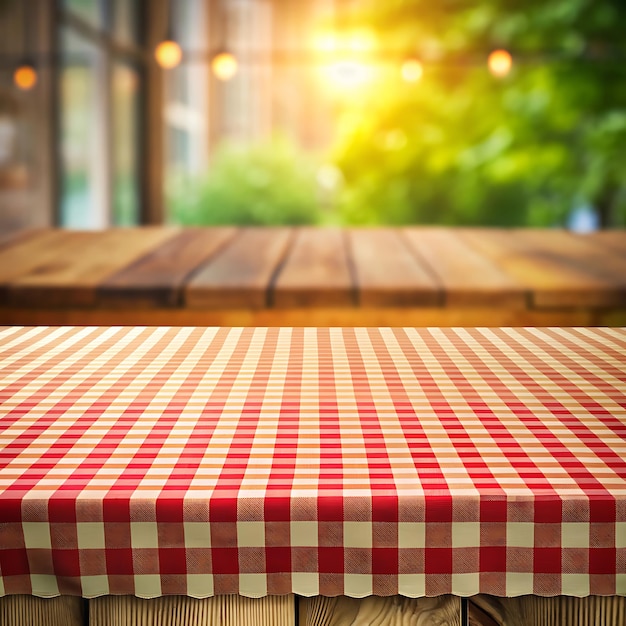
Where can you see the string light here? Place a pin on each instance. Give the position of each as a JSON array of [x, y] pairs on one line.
[[500, 62], [25, 76], [224, 65], [168, 54]]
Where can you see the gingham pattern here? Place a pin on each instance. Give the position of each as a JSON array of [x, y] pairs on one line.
[[155, 461]]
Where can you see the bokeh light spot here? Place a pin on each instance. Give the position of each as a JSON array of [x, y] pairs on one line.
[[25, 77], [500, 62], [168, 54], [224, 66]]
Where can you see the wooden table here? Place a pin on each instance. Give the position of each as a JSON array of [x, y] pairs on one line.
[[314, 277]]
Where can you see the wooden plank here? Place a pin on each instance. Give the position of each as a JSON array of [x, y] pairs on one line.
[[26, 255], [59, 611], [240, 275], [156, 280], [600, 266], [558, 269], [614, 239], [382, 611], [479, 617], [468, 277], [71, 276], [555, 611], [387, 273], [182, 611], [316, 272], [14, 237]]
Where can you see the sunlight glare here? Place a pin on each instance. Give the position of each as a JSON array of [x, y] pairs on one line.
[[349, 74], [412, 71]]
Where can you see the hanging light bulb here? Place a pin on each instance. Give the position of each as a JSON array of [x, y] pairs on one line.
[[25, 76], [500, 62], [168, 54], [224, 65], [411, 70]]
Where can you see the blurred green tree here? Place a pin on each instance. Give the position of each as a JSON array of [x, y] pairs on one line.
[[464, 147], [266, 183]]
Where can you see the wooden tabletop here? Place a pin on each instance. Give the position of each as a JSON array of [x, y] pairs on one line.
[[314, 276]]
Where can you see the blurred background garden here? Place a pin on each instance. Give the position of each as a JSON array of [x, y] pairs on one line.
[[344, 112]]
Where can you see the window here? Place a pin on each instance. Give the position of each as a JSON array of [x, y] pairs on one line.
[[101, 79]]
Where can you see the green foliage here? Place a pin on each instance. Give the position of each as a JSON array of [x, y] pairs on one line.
[[267, 183], [463, 147]]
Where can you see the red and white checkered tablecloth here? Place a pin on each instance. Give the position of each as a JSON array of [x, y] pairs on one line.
[[153, 461]]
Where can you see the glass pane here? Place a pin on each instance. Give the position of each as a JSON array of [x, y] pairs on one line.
[[83, 135], [126, 21], [125, 145], [89, 10]]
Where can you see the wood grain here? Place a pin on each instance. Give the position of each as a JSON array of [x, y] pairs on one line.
[[387, 273], [29, 610], [468, 277], [316, 272], [71, 274], [12, 238], [557, 611], [382, 611], [184, 611], [557, 269], [520, 275], [23, 256], [240, 275], [157, 279], [615, 240]]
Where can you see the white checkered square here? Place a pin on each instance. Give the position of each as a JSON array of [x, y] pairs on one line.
[[575, 535], [94, 586], [466, 584], [90, 535], [519, 583], [576, 584], [357, 585], [250, 534], [306, 584], [520, 534], [411, 535], [147, 585], [197, 534], [37, 535], [357, 534], [44, 585], [466, 535], [199, 585], [412, 585], [144, 534], [253, 585], [303, 534]]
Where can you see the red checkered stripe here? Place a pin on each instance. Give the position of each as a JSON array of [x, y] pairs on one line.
[[153, 461]]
